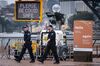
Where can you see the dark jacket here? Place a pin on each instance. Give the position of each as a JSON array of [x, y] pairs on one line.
[[52, 37], [27, 36]]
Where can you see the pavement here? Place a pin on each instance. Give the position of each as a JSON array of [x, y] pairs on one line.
[[12, 62]]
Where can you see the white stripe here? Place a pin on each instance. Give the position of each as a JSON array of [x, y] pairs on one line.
[[83, 49]]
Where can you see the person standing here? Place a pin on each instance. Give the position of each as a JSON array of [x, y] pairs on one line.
[[51, 45], [27, 45]]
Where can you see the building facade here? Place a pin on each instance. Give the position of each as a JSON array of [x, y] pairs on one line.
[[72, 7], [3, 3]]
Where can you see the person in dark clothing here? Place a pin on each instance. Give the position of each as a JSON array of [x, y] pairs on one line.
[[51, 45], [27, 45]]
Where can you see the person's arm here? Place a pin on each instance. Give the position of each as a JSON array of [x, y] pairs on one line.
[[52, 36], [48, 40]]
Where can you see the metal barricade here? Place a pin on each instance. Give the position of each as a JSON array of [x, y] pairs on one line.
[[9, 46]]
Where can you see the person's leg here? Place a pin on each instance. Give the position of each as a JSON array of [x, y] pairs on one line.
[[31, 54], [45, 54], [54, 51], [21, 54]]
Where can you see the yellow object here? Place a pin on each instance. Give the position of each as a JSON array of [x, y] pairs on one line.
[[18, 46], [13, 45], [34, 46], [45, 38]]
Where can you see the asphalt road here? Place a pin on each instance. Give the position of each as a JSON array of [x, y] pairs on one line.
[[11, 62]]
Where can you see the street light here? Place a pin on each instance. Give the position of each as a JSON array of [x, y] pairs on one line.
[[58, 16], [56, 8]]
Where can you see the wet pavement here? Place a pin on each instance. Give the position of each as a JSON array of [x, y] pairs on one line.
[[11, 62]]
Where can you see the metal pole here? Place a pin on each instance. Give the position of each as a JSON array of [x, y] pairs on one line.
[[69, 53], [9, 52]]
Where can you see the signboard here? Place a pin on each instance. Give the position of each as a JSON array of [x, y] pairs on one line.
[[28, 11], [45, 39], [83, 35]]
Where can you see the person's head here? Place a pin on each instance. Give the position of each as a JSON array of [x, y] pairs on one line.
[[25, 28], [50, 28]]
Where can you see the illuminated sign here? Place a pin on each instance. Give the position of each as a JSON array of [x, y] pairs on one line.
[[28, 11]]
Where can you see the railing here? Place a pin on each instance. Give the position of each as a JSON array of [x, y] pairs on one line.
[[8, 52]]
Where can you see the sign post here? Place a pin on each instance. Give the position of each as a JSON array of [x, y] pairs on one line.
[[83, 40]]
